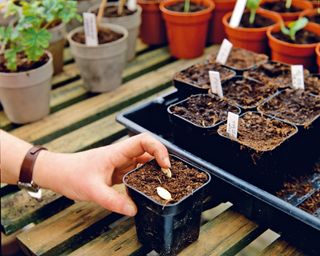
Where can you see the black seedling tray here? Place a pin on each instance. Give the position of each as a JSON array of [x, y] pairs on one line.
[[261, 205]]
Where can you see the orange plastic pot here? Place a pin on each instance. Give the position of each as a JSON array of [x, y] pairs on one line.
[[187, 32], [318, 56], [252, 39], [310, 13], [216, 32], [152, 30], [289, 16], [303, 54]]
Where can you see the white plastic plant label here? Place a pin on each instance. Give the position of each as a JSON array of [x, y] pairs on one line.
[[297, 77], [237, 13], [132, 5], [90, 29], [215, 83], [232, 125], [224, 51]]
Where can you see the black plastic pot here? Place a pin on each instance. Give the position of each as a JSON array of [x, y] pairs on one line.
[[187, 88], [168, 229]]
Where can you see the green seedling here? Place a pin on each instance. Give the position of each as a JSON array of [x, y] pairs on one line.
[[288, 3], [294, 27], [186, 5], [252, 5]]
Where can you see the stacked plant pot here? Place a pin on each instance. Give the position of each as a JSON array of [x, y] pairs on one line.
[[129, 19]]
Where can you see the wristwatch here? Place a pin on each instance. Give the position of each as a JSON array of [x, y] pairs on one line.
[[26, 171]]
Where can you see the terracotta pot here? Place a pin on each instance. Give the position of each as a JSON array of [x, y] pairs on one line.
[[310, 13], [57, 42], [152, 30], [289, 16], [252, 39], [187, 32], [318, 56], [293, 53], [216, 32], [25, 95]]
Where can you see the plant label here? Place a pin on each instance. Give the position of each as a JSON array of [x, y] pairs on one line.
[[297, 77], [232, 125], [132, 5], [224, 52], [237, 13], [90, 29], [215, 83]]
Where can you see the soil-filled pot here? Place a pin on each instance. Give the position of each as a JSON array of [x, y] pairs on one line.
[[292, 52], [167, 226], [187, 31], [261, 149], [25, 95], [252, 37], [275, 73], [82, 6], [200, 113], [313, 16], [56, 47], [290, 14], [195, 79], [130, 20], [216, 32], [100, 66], [240, 59], [247, 93], [318, 56], [152, 30]]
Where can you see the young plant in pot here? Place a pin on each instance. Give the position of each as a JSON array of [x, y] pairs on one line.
[[187, 26], [25, 70], [289, 10], [102, 61], [152, 30], [294, 42], [53, 15], [251, 32], [169, 204], [125, 15]]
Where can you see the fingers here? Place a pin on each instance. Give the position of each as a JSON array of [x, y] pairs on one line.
[[112, 200], [139, 144]]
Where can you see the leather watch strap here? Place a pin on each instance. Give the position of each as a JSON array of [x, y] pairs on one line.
[[26, 171]]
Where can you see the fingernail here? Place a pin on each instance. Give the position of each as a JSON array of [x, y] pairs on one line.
[[167, 161], [130, 209]]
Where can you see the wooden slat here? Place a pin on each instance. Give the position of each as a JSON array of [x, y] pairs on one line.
[[282, 248], [123, 96], [19, 209], [67, 94], [53, 234]]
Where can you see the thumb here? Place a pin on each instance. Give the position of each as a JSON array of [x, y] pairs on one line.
[[114, 201]]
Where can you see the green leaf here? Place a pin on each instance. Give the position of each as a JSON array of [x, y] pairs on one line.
[[11, 58], [297, 25], [35, 42]]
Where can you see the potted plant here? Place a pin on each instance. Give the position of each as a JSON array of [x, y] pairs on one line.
[[53, 15], [169, 204], [152, 30], [288, 9], [25, 70], [216, 32], [119, 14], [251, 32], [187, 26], [313, 15], [294, 44]]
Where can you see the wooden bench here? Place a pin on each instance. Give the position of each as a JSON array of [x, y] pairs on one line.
[[80, 120]]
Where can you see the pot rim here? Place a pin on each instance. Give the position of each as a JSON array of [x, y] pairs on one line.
[[123, 30], [207, 3], [182, 199], [276, 28], [318, 50], [260, 11], [293, 3], [11, 74], [96, 7]]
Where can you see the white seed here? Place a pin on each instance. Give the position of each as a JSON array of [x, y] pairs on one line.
[[164, 194], [167, 172]]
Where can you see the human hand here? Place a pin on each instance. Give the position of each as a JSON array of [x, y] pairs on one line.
[[89, 175]]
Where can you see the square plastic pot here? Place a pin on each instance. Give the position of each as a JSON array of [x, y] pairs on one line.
[[168, 228]]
